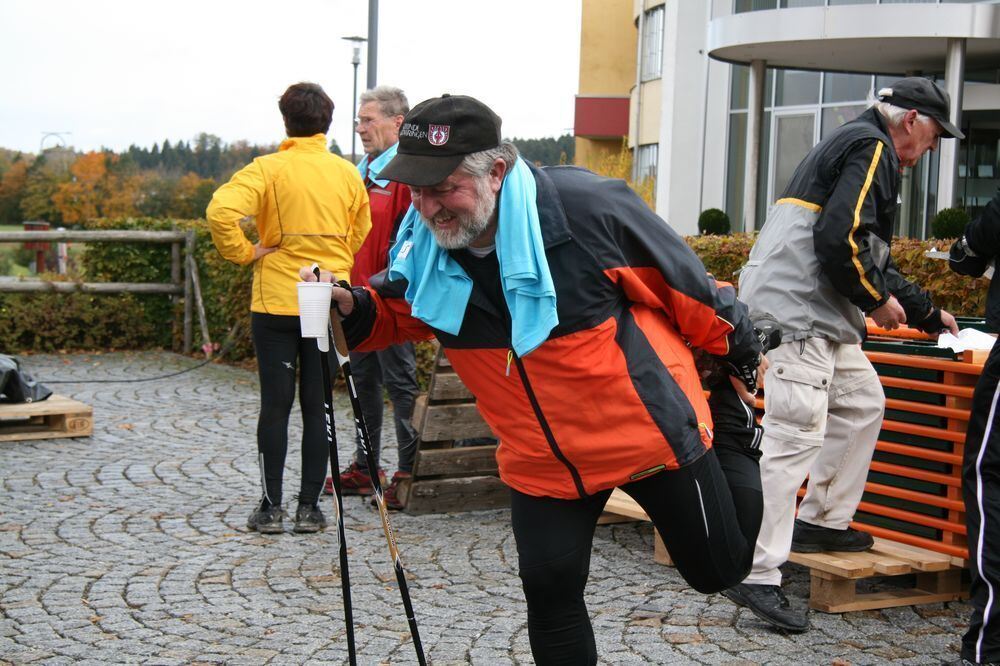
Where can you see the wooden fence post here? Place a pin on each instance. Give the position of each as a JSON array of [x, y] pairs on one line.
[[175, 278], [189, 252]]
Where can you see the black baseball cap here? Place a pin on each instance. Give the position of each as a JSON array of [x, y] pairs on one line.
[[925, 96], [435, 137]]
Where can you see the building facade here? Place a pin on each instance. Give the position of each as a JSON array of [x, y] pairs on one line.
[[727, 96]]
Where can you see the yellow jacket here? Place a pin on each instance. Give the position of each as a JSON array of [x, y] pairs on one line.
[[309, 203]]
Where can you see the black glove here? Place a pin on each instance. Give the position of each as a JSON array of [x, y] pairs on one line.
[[769, 336], [964, 261], [931, 323], [344, 284], [768, 331]]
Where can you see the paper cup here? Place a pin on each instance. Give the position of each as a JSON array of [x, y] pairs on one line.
[[314, 308]]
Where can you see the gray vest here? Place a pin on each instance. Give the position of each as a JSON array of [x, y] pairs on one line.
[[783, 278]]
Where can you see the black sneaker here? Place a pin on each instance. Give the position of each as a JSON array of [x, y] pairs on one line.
[[267, 519], [308, 518], [809, 538], [768, 603]]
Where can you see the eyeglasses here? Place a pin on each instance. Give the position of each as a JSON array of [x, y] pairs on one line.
[[362, 122]]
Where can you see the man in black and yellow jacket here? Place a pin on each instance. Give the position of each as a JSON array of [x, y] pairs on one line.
[[820, 264]]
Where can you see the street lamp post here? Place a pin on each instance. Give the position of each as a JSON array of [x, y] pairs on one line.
[[355, 60]]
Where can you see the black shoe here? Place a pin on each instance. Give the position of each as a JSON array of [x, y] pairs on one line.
[[267, 519], [768, 603], [809, 538], [308, 518], [966, 662]]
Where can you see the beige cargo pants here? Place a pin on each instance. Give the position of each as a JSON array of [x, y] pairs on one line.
[[823, 410]]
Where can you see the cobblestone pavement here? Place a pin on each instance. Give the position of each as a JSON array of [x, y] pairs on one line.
[[131, 546]]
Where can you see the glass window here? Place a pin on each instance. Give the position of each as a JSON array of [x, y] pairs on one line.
[[739, 86], [793, 139], [835, 116], [735, 168], [647, 160], [652, 44], [801, 3], [833, 3], [793, 87], [740, 6], [846, 87], [762, 170]]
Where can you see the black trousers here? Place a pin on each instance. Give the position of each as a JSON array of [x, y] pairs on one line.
[[981, 492], [281, 351], [708, 514], [395, 368]]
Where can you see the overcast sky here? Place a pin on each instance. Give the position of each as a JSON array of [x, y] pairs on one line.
[[117, 72]]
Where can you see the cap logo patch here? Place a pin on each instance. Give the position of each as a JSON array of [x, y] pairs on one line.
[[438, 134]]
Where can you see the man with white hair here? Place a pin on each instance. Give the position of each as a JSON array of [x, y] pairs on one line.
[[820, 264], [380, 115]]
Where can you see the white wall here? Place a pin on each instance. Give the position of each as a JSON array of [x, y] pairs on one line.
[[682, 114]]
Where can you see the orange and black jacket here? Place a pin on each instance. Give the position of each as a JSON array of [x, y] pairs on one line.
[[612, 395]]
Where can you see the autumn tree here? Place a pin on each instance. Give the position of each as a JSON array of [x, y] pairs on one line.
[[12, 188], [77, 200], [43, 179]]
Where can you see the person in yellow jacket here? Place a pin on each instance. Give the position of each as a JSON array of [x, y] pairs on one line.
[[310, 206]]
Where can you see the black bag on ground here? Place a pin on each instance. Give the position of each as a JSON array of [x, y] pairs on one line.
[[18, 386]]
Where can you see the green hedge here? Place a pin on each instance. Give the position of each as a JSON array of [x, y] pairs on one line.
[[958, 294], [50, 322]]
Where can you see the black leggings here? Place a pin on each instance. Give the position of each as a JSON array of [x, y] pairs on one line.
[[708, 514], [280, 351]]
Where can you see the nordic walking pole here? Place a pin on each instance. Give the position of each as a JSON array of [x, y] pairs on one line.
[[331, 437], [340, 346]]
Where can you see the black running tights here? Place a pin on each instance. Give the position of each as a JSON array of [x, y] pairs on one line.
[[708, 518], [280, 352]]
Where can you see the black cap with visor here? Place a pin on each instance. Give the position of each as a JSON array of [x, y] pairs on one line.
[[924, 96], [435, 137]]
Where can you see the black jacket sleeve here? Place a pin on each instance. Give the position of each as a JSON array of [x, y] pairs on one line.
[[982, 235], [916, 302], [844, 235]]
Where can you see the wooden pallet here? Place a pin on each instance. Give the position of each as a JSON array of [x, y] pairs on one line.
[[446, 477], [58, 416], [834, 577]]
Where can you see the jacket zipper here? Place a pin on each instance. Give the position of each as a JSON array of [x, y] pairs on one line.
[[549, 437]]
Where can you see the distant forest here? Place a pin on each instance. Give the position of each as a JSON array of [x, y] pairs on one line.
[[172, 179]]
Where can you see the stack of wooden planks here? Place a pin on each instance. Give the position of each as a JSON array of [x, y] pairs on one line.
[[447, 477]]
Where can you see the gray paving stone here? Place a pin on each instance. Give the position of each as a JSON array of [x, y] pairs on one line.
[[130, 547]]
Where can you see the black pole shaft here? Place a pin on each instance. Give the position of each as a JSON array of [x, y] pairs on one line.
[[340, 345], [331, 438]]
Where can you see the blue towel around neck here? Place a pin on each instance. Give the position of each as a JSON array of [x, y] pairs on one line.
[[438, 288]]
